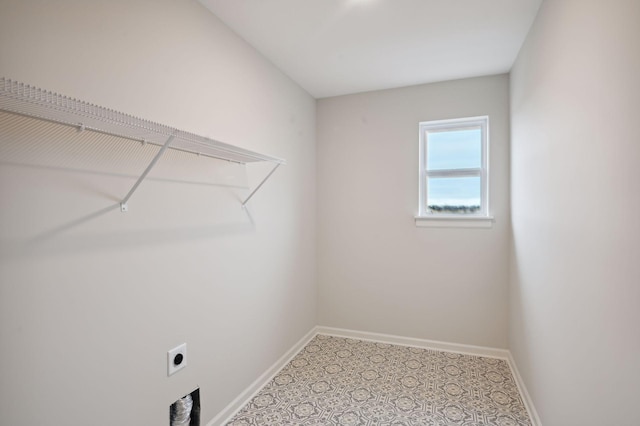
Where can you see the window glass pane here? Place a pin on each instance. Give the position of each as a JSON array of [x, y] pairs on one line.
[[456, 149], [454, 195]]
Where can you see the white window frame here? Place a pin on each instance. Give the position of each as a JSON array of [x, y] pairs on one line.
[[426, 217]]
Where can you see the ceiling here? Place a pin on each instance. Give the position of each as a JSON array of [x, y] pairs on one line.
[[337, 47]]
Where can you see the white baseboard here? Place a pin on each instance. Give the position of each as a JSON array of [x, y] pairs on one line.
[[419, 343], [241, 400], [526, 398], [232, 409]]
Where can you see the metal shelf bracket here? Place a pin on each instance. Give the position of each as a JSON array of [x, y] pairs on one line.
[[260, 184], [123, 204]]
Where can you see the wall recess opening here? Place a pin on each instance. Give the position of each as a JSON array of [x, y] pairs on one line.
[[186, 410]]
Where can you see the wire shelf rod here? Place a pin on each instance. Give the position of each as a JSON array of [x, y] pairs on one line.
[[33, 102], [37, 103]]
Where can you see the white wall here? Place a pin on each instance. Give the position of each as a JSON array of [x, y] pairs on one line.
[[575, 292], [90, 298], [378, 272]]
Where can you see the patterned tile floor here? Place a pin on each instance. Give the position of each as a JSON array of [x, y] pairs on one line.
[[338, 381]]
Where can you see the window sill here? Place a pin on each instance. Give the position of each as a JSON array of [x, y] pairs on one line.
[[443, 221]]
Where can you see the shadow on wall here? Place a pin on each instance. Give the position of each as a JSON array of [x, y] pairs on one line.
[[47, 244], [54, 241]]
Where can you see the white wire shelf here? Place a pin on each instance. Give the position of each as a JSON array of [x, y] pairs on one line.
[[30, 101]]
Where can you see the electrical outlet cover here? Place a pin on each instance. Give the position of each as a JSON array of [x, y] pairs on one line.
[[176, 359]]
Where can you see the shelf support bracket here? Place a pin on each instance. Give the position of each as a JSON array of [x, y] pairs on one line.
[[123, 203], [259, 185]]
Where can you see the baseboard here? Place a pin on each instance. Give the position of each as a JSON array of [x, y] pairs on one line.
[[528, 402], [419, 343], [241, 400]]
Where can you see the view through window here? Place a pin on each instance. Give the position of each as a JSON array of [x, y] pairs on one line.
[[453, 167]]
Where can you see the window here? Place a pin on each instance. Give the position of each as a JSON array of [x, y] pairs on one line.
[[453, 169]]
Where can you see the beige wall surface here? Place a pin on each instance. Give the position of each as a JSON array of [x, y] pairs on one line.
[[91, 298], [575, 287], [376, 270]]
